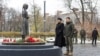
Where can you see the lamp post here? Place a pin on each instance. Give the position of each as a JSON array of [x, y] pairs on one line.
[[44, 17], [44, 14]]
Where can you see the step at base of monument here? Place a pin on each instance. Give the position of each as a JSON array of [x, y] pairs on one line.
[[55, 51], [25, 46]]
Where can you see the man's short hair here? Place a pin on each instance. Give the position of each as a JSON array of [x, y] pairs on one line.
[[68, 18]]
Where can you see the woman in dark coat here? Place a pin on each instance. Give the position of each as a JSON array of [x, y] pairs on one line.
[[59, 40]]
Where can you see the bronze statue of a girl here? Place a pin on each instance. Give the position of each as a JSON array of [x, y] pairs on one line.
[[25, 26]]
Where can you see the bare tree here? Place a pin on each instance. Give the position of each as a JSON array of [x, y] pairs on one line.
[[37, 18], [12, 17], [92, 9], [1, 8], [68, 6], [82, 4]]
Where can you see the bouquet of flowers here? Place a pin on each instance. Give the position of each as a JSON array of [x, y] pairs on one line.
[[8, 40], [33, 39]]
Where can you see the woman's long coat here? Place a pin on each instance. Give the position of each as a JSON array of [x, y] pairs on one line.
[[59, 40]]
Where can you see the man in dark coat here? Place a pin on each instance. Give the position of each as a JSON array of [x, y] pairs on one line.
[[83, 35], [68, 34], [94, 36], [75, 36], [59, 40]]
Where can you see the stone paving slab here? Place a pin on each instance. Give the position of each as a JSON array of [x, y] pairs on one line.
[[85, 50]]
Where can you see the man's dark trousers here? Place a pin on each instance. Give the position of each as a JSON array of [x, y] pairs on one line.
[[82, 39], [94, 40]]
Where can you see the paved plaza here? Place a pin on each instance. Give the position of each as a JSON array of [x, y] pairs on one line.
[[85, 50]]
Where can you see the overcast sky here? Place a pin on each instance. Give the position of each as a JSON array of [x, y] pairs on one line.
[[51, 5]]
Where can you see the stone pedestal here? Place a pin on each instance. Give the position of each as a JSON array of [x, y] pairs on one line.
[[29, 50]]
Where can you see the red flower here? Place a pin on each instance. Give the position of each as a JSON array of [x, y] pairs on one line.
[[30, 39], [5, 40], [14, 40]]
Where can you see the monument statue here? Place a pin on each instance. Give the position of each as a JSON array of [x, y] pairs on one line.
[[25, 27]]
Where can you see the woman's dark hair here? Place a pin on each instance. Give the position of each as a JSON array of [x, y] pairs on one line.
[[59, 19], [95, 28], [67, 17]]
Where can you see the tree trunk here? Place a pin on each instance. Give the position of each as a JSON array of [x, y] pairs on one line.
[[35, 20], [76, 16], [82, 13]]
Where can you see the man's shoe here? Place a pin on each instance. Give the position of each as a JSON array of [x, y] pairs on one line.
[[70, 54], [66, 53]]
